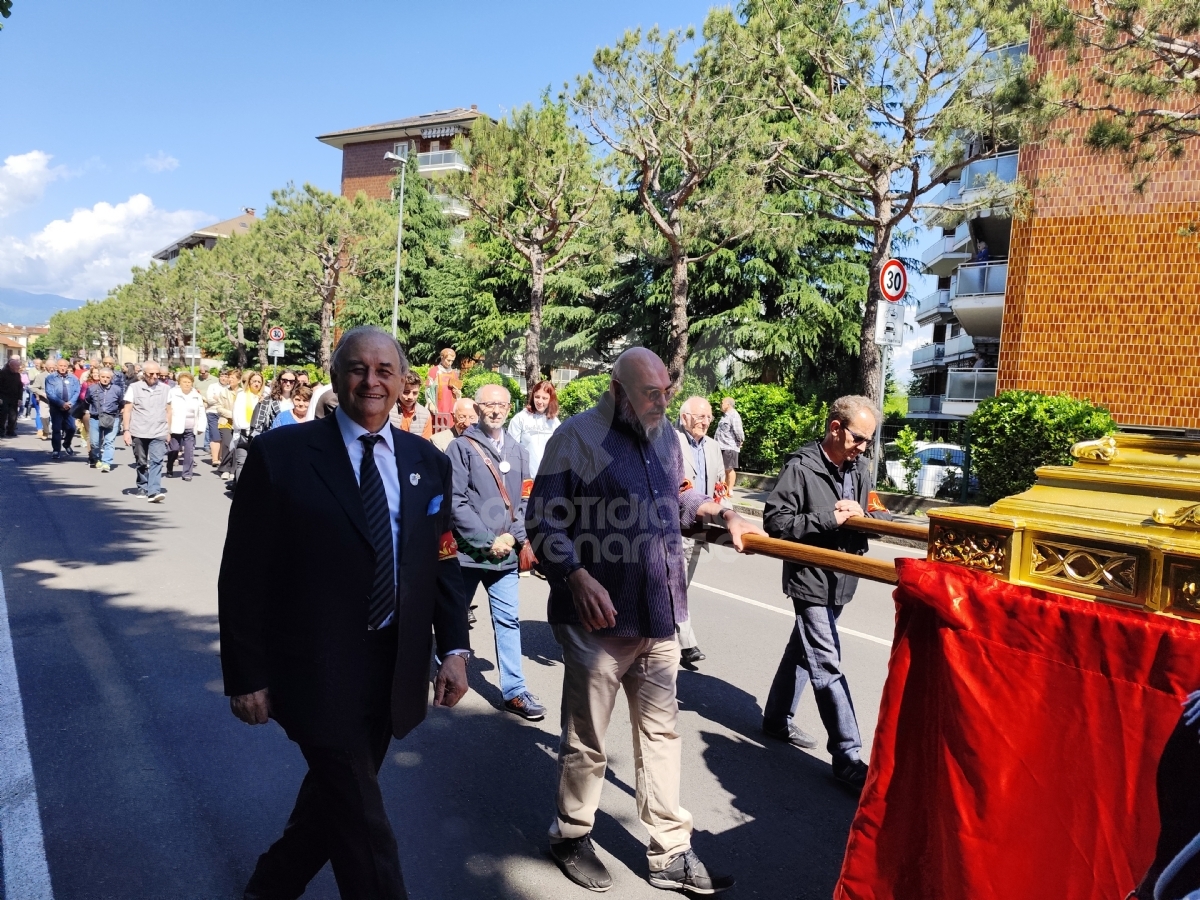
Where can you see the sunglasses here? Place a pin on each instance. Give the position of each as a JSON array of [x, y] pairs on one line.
[[288, 380], [858, 438]]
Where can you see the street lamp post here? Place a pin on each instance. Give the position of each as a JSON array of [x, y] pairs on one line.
[[399, 241]]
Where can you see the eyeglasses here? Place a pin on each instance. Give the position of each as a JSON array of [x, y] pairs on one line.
[[288, 380], [858, 438], [495, 405]]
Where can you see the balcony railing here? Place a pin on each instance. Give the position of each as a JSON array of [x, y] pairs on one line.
[[981, 278], [971, 385], [1013, 52], [929, 354], [441, 161], [958, 346], [452, 206], [937, 302], [940, 248], [975, 177], [925, 404]]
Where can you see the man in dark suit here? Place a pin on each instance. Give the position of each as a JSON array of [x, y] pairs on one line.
[[337, 652]]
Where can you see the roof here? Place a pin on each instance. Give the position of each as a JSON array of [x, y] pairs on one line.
[[413, 125], [237, 225], [10, 329]]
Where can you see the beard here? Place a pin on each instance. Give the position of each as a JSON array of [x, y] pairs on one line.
[[627, 415]]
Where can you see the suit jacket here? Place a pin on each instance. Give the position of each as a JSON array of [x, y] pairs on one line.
[[713, 463], [294, 620]]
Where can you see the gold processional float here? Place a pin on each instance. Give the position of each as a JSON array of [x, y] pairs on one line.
[[1121, 525]]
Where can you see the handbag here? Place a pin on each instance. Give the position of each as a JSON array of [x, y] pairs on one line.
[[526, 559], [107, 421]]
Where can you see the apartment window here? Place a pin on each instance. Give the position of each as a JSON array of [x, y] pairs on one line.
[[435, 146], [401, 150]]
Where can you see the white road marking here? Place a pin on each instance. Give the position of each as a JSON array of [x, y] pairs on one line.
[[787, 612], [26, 874]]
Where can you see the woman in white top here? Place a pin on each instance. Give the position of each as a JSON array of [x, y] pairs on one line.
[[532, 426], [243, 409], [185, 414]]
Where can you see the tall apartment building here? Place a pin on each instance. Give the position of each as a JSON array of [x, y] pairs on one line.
[[970, 259], [427, 139]]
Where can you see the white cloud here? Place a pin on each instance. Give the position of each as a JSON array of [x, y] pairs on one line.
[[160, 163], [23, 179], [94, 249]]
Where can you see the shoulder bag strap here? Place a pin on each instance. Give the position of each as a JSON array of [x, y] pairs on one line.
[[495, 474]]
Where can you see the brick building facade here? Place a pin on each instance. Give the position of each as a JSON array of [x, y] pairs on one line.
[[1103, 294]]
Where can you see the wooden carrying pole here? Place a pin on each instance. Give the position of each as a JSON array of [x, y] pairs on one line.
[[909, 530], [808, 555]]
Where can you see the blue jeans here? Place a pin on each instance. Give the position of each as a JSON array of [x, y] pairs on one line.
[[212, 435], [62, 428], [102, 439], [503, 599], [149, 453], [814, 653]]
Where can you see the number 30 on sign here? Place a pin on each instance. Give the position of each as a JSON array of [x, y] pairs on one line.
[[893, 281]]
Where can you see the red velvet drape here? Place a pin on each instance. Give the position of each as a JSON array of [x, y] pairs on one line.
[[1017, 745]]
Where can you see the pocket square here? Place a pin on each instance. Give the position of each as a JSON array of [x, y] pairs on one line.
[[435, 504]]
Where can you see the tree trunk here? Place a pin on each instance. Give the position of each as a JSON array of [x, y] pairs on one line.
[[241, 344], [869, 358], [677, 336], [533, 335], [264, 328]]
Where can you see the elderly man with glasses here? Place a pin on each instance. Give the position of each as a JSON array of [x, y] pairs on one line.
[[822, 485]]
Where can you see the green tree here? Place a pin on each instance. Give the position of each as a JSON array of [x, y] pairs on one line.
[[533, 184], [685, 147], [5, 10], [877, 100], [1144, 56]]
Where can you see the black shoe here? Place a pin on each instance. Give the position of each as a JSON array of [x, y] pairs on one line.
[[157, 498], [56, 455], [526, 706], [851, 773], [69, 451], [689, 656], [578, 860], [686, 873], [792, 735]]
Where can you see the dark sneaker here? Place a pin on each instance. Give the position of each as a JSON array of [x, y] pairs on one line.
[[157, 498], [56, 455], [69, 451], [797, 737], [689, 656], [526, 706], [852, 773], [578, 860], [685, 872]]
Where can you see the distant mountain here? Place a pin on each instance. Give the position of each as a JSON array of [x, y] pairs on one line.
[[24, 308]]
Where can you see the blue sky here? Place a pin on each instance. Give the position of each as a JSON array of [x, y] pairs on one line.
[[125, 125]]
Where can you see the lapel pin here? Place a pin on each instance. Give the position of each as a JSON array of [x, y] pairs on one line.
[[413, 479]]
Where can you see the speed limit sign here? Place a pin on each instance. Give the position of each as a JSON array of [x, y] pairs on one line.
[[893, 281], [277, 334]]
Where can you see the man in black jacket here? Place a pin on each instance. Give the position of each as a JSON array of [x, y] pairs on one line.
[[12, 391], [821, 486], [337, 652]]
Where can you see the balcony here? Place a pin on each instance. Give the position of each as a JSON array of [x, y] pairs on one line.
[[988, 176], [928, 357], [945, 254], [965, 389], [934, 307], [942, 218], [959, 348], [453, 207], [441, 161], [923, 406], [978, 297], [994, 64]]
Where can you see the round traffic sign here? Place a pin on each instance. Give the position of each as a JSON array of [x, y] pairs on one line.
[[893, 280], [276, 333]]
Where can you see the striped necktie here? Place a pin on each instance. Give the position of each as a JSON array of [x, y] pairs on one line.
[[379, 525]]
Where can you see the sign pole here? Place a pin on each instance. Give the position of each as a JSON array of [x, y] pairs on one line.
[[885, 353]]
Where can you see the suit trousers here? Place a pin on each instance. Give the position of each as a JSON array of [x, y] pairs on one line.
[[692, 549], [339, 814], [595, 668]]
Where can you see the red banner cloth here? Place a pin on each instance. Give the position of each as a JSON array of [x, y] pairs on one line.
[[1018, 741]]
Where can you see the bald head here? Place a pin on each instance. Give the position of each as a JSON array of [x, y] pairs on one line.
[[639, 367], [641, 390]]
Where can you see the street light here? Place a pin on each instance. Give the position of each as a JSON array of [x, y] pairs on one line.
[[393, 157]]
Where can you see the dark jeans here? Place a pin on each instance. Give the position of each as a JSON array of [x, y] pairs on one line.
[[62, 428], [149, 453], [339, 814], [814, 653], [184, 444], [10, 409]]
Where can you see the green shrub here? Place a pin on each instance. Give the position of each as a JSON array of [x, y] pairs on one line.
[[774, 423], [478, 376], [1015, 432], [906, 445], [580, 394]]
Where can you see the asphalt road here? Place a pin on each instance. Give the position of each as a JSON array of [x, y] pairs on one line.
[[147, 786]]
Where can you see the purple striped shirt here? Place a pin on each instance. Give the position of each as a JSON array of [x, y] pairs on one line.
[[611, 502]]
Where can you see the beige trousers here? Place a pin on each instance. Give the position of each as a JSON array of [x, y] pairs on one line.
[[594, 669], [691, 553]]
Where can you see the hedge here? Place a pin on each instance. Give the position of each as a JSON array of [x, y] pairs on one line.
[[774, 423], [580, 394], [1015, 432], [478, 376]]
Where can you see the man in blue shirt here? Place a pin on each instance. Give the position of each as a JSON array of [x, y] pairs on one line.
[[62, 390]]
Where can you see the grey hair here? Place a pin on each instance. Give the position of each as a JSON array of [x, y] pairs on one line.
[[360, 331], [480, 389], [845, 409], [104, 369], [686, 404]]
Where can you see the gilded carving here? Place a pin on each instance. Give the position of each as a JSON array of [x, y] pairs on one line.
[[976, 550], [1185, 587], [1113, 571], [1184, 517], [1103, 450]]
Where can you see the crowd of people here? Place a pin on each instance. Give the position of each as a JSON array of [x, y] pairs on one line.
[[597, 505]]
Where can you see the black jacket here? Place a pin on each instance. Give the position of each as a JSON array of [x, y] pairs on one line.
[[11, 387], [297, 624], [801, 509]]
